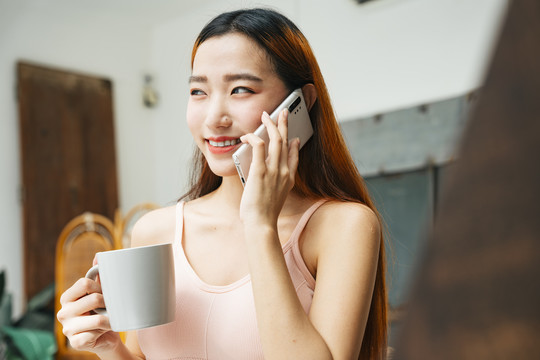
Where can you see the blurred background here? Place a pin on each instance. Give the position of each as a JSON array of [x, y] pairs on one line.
[[403, 75]]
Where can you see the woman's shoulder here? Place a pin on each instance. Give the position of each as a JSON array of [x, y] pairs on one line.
[[155, 227], [346, 211], [345, 220]]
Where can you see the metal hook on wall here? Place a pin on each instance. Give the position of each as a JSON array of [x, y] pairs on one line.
[[150, 96]]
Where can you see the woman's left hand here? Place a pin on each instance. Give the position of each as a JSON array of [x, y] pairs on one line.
[[271, 176]]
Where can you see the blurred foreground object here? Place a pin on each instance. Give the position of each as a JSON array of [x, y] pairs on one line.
[[477, 294]]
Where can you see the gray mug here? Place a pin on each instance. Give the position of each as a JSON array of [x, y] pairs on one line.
[[138, 286]]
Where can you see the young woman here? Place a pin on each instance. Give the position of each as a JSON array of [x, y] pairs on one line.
[[289, 267]]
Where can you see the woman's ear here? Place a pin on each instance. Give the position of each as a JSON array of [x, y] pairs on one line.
[[310, 95]]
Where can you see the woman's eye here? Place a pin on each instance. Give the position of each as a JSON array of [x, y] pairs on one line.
[[241, 90], [196, 92]]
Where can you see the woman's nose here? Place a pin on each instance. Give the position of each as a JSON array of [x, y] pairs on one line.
[[218, 115]]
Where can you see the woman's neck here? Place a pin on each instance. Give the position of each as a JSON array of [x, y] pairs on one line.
[[230, 191], [229, 195]]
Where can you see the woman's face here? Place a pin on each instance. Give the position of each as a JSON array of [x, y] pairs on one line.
[[232, 83]]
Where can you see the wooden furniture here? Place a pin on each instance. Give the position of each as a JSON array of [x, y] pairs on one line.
[[124, 225], [80, 239]]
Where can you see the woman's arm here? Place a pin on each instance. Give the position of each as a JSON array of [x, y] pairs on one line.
[[348, 241], [344, 238]]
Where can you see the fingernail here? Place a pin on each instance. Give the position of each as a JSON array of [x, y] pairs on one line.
[[265, 114]]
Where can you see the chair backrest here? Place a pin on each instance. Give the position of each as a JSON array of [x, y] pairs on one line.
[[124, 225], [79, 241]]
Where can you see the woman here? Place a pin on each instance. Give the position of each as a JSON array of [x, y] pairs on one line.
[[289, 267]]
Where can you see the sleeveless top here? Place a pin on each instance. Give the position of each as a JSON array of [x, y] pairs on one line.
[[218, 322]]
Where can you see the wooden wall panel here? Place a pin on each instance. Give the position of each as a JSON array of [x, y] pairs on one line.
[[68, 159]]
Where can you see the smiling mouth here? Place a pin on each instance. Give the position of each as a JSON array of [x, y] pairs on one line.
[[224, 143]]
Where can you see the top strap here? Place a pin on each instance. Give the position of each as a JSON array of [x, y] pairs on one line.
[[303, 221], [179, 223]]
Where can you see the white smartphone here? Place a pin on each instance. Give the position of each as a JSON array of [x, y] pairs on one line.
[[299, 127]]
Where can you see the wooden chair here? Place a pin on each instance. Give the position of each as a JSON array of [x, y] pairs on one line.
[[80, 239], [124, 225]]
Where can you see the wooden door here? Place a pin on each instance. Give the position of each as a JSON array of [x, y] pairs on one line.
[[68, 160]]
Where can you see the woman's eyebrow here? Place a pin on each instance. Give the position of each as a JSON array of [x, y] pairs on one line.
[[226, 78], [199, 79], [241, 76]]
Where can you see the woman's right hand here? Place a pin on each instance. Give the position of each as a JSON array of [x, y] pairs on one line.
[[85, 329]]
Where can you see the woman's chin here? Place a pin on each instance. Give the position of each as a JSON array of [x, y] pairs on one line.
[[224, 170]]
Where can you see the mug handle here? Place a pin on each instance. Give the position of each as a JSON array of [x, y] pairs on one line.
[[92, 275]]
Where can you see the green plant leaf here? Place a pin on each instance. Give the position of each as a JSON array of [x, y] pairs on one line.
[[32, 344]]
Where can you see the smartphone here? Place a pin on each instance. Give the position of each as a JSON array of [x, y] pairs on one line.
[[299, 127]]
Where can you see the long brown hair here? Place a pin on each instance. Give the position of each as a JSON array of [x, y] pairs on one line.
[[325, 168]]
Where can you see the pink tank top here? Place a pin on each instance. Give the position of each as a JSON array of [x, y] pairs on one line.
[[218, 322]]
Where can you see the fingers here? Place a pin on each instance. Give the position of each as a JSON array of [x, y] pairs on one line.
[[258, 152], [90, 323], [85, 332], [82, 306], [83, 297], [82, 327], [292, 159], [278, 139], [277, 159], [81, 288], [283, 127], [82, 324], [79, 300]]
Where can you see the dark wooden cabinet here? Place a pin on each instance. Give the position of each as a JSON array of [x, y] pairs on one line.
[[68, 159]]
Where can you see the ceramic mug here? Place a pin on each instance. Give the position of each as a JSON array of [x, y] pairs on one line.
[[138, 286]]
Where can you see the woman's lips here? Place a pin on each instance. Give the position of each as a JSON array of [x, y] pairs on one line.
[[222, 145]]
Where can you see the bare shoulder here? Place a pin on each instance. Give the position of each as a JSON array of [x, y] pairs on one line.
[[155, 227], [347, 223], [333, 215]]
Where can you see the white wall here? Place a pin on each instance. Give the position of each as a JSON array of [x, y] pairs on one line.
[[391, 54], [377, 57], [81, 40]]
